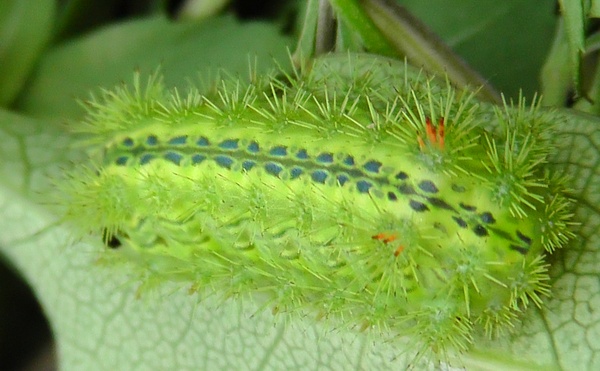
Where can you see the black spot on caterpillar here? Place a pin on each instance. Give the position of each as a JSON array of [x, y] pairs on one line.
[[110, 240], [487, 218], [418, 206], [428, 186], [523, 238], [480, 230], [460, 221], [383, 196]]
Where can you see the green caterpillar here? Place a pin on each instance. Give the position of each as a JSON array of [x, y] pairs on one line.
[[355, 187]]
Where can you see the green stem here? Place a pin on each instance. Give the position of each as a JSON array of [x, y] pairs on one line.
[[353, 13], [306, 42], [423, 48], [387, 29]]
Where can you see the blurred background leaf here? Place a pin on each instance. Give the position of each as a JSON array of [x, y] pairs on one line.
[[182, 50], [25, 29]]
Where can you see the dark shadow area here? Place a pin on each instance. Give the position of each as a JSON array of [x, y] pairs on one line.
[[25, 336]]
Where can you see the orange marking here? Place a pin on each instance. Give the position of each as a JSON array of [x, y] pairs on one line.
[[385, 238], [435, 136], [379, 236], [431, 132], [398, 250], [389, 239]]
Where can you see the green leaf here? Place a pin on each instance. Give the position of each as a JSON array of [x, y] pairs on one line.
[[109, 56], [573, 314], [25, 28]]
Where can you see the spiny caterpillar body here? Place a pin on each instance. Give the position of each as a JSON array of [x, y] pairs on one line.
[[355, 187]]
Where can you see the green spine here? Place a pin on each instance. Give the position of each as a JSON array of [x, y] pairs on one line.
[[357, 187]]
